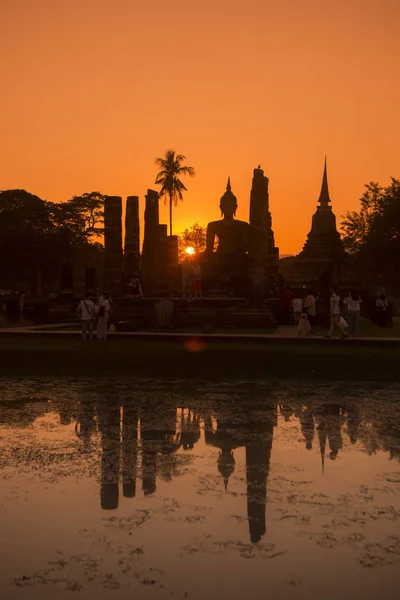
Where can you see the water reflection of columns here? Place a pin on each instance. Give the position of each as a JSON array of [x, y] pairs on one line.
[[109, 425], [258, 457], [85, 424], [129, 449], [155, 440]]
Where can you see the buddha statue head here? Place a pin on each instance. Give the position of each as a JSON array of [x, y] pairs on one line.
[[228, 203]]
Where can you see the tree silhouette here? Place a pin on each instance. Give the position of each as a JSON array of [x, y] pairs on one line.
[[39, 237], [194, 237], [172, 187], [373, 233]]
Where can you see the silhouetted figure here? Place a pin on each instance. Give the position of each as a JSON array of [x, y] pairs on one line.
[[287, 298], [353, 303], [226, 466], [109, 425], [232, 235], [86, 314], [307, 426], [329, 422], [334, 429], [309, 306], [103, 315], [381, 310], [286, 409]]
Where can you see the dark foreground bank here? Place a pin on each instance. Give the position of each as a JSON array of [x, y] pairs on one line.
[[196, 359]]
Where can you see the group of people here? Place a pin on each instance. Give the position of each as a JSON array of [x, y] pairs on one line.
[[302, 312], [191, 279], [91, 313]]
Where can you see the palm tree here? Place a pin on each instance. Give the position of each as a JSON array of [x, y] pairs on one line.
[[171, 186]]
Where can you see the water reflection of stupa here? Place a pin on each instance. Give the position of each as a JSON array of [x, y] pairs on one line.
[[256, 436], [142, 441]]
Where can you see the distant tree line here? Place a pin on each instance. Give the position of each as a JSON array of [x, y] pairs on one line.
[[38, 237], [372, 234]]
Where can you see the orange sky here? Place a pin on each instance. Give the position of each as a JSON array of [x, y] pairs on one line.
[[94, 90]]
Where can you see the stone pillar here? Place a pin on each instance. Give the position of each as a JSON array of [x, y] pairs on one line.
[[132, 234], [91, 280], [258, 232], [262, 251], [109, 425], [151, 235], [112, 244], [162, 261], [67, 279], [172, 244]]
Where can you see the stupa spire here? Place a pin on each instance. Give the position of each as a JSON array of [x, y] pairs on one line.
[[324, 199]]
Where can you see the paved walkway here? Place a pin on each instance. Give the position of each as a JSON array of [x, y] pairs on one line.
[[284, 334]]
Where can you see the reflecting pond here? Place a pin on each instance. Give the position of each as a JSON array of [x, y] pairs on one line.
[[115, 488]]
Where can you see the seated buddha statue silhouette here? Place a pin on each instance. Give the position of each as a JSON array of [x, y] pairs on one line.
[[232, 235]]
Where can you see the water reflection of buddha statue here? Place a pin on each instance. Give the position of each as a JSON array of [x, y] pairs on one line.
[[232, 234]]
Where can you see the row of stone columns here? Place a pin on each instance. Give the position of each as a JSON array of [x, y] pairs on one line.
[[160, 251]]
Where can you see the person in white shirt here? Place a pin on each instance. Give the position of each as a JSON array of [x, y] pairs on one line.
[[335, 315], [353, 303], [297, 304], [86, 315], [103, 313]]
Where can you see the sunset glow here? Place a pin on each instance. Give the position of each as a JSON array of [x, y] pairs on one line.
[[279, 84], [190, 250]]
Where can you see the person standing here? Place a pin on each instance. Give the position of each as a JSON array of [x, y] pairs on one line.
[[381, 310], [287, 305], [353, 303], [187, 278], [86, 315], [310, 308], [335, 314], [304, 327], [197, 281], [102, 322], [297, 309]]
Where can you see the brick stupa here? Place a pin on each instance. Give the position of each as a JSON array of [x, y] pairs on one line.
[[323, 251]]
